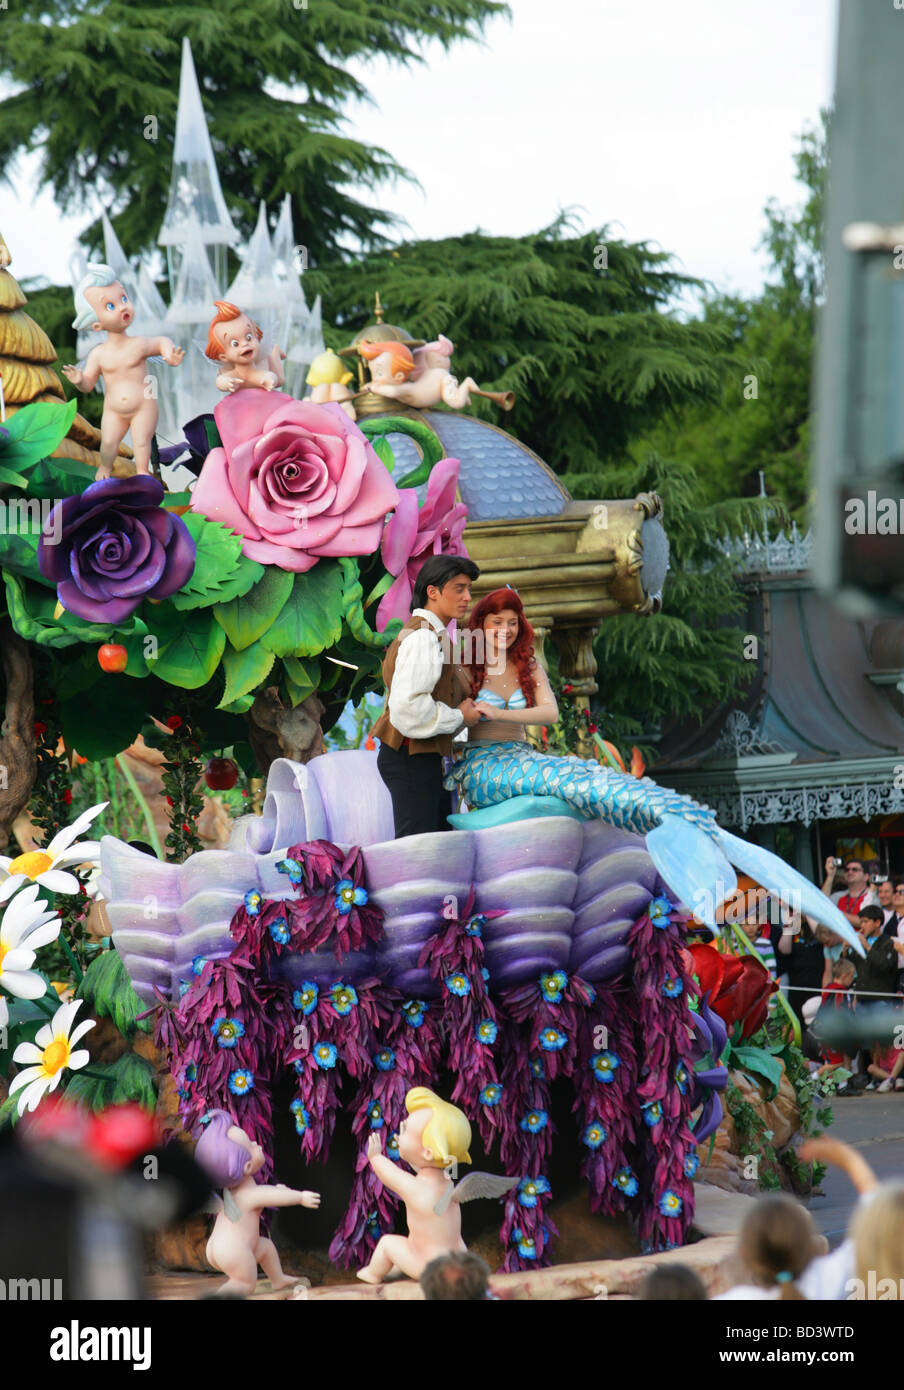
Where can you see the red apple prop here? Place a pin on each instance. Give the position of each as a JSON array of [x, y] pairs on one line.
[[221, 774], [112, 657]]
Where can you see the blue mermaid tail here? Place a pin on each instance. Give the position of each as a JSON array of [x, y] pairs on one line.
[[690, 850]]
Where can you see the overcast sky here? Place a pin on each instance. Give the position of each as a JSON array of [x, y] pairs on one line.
[[672, 120]]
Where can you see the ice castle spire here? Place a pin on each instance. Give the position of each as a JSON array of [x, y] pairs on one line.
[[195, 183]]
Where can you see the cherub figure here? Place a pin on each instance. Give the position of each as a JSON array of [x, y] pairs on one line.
[[432, 1141], [423, 380], [102, 304], [328, 377], [235, 339], [236, 1245]]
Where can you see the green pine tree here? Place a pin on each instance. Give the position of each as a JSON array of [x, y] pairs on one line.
[[89, 72]]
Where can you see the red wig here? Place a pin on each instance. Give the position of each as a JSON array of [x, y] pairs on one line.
[[521, 652], [226, 312]]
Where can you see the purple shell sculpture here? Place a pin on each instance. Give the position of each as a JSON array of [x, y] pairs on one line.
[[507, 956]]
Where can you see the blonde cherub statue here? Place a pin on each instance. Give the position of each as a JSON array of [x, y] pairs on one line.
[[236, 1246], [102, 304], [423, 380], [235, 339], [328, 377], [433, 1141]]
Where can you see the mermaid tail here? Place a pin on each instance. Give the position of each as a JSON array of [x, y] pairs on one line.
[[690, 850]]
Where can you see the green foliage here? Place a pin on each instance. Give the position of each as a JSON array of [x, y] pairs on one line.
[[246, 619], [108, 993], [87, 75], [593, 356], [221, 571], [245, 671], [102, 728], [30, 435], [190, 645], [129, 1078], [730, 439]]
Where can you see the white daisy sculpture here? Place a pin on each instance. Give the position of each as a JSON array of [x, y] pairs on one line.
[[47, 865], [25, 926], [49, 1056]]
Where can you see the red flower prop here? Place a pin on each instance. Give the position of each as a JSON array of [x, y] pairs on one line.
[[739, 988]]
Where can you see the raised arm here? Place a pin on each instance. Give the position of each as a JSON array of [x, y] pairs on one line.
[[85, 380], [165, 348], [826, 1150], [281, 1196], [391, 1175]]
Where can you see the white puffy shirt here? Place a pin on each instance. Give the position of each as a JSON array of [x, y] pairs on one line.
[[419, 664]]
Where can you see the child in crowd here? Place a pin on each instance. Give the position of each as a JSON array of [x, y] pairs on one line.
[[885, 1067], [836, 995], [833, 950], [778, 1240], [675, 1283], [829, 1276]]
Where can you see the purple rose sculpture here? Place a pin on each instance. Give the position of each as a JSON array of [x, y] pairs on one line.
[[114, 546]]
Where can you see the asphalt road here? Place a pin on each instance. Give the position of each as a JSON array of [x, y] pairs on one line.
[[874, 1125]]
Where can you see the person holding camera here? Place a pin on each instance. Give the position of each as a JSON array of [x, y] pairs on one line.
[[857, 892]]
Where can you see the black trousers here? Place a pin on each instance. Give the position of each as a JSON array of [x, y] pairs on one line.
[[420, 803]]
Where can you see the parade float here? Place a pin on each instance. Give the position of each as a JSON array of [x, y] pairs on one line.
[[535, 964]]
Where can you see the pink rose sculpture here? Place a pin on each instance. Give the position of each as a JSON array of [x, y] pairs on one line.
[[412, 534], [299, 481]]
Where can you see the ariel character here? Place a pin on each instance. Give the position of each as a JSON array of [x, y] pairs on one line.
[[236, 339], [423, 380], [433, 1142], [236, 1246], [102, 305], [688, 847]]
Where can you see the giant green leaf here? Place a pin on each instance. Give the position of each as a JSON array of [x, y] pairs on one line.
[[189, 657], [102, 726], [56, 478], [311, 619], [246, 619], [31, 614], [19, 553], [221, 571], [244, 671], [758, 1060], [35, 431], [302, 678]]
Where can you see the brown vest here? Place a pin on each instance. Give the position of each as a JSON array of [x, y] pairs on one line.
[[451, 688]]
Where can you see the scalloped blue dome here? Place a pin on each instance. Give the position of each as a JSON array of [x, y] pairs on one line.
[[500, 476]]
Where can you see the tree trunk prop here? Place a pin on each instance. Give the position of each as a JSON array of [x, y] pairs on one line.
[[18, 763]]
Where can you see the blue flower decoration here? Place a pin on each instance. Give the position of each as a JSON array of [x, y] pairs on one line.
[[595, 1135], [475, 925], [343, 998], [682, 1078], [527, 1248], [306, 997], [486, 1031], [373, 1225], [292, 868], [491, 1095], [302, 1116], [298, 1064], [384, 1060], [392, 1147], [658, 912], [184, 987], [591, 992], [672, 987], [252, 901], [279, 930], [534, 1121], [414, 1010], [198, 964], [604, 1065], [531, 1189], [375, 1115], [552, 986], [457, 984], [324, 1055], [626, 1182], [191, 1072], [691, 1164], [486, 974], [240, 1082], [537, 1068], [227, 1031], [652, 1113], [184, 1093], [348, 896], [670, 1204], [552, 1040]]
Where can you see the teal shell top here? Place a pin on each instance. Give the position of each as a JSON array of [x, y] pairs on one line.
[[490, 697]]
